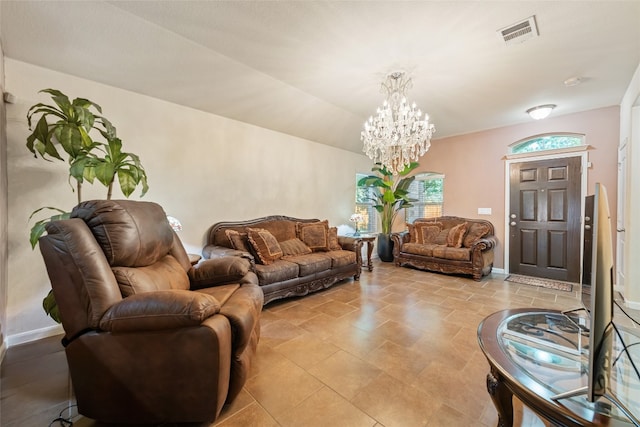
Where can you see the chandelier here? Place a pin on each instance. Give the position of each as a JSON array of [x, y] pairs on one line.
[[398, 134]]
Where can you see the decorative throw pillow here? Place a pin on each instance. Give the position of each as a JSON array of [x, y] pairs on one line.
[[441, 238], [456, 235], [427, 232], [476, 231], [294, 246], [239, 241], [314, 234], [334, 245], [265, 246], [412, 233]]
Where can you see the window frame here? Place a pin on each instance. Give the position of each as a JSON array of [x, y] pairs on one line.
[[423, 205], [531, 139], [371, 223]]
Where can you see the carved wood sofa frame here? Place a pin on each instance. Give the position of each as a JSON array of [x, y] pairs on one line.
[[481, 252], [218, 245]]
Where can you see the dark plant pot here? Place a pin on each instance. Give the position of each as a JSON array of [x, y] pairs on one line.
[[385, 247]]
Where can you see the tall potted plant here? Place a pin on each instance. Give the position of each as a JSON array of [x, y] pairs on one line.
[[69, 125], [389, 196]]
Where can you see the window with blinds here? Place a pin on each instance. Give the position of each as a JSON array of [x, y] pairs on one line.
[[428, 190], [364, 206]]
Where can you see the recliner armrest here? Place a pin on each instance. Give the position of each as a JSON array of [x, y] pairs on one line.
[[159, 310], [218, 271], [214, 251]]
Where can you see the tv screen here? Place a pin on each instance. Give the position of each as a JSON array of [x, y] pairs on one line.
[[600, 297], [597, 294]]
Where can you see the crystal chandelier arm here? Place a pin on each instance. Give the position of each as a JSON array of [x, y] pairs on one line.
[[398, 134]]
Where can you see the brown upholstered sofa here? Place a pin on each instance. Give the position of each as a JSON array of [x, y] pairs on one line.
[[291, 256], [148, 338], [447, 244]]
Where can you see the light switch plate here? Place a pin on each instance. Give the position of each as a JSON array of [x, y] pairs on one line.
[[484, 211]]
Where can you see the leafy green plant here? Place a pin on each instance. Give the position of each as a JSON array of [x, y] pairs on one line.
[[39, 227], [389, 195], [68, 125]]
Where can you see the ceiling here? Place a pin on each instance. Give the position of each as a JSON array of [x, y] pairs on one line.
[[313, 69]]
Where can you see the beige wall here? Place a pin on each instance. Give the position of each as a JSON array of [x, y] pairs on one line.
[[202, 169], [474, 164], [630, 132]]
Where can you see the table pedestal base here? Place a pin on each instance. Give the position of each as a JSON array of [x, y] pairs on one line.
[[502, 399]]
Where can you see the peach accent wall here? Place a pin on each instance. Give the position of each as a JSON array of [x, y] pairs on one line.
[[474, 164]]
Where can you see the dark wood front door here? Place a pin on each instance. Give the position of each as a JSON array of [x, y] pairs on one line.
[[544, 220]]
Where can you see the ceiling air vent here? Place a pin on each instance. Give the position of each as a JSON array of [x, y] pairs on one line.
[[519, 32]]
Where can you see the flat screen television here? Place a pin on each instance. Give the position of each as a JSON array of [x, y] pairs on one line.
[[598, 300], [597, 296]]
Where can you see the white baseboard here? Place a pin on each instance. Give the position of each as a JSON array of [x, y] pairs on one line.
[[37, 334], [498, 270], [634, 305]]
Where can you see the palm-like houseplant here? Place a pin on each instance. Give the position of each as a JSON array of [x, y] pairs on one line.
[[389, 196], [69, 124]]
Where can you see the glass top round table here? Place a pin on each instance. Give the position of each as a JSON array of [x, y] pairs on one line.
[[536, 354]]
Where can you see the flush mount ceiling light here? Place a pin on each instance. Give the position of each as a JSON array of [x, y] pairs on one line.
[[573, 81], [541, 111]]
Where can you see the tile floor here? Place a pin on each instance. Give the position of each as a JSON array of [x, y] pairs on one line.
[[397, 348]]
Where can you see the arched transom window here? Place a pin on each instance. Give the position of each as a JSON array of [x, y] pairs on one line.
[[547, 142]]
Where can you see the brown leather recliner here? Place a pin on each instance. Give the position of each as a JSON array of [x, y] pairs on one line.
[[148, 337]]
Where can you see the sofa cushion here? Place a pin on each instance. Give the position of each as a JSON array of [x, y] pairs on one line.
[[451, 221], [238, 241], [265, 246], [456, 235], [427, 232], [456, 254], [441, 238], [277, 271], [311, 263], [282, 229], [425, 249], [294, 246], [314, 234], [334, 245], [476, 231], [412, 233], [341, 258], [130, 233], [165, 274]]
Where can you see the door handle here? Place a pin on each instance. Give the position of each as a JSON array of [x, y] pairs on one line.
[[620, 230]]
